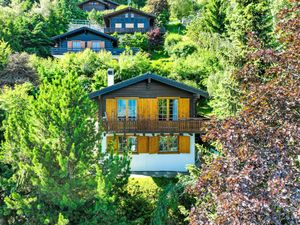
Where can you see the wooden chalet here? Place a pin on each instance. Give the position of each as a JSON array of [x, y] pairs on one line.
[[155, 117]]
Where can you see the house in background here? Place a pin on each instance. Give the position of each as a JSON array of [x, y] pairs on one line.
[[82, 38], [128, 20], [98, 5], [153, 116]]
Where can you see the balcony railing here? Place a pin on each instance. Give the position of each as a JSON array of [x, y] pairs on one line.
[[75, 24], [193, 125], [114, 51], [111, 30]]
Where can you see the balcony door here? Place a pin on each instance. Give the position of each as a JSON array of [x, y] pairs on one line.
[[127, 109], [167, 109]]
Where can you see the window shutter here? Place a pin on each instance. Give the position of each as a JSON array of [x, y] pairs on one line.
[[142, 144], [111, 109], [153, 145], [69, 44], [184, 144], [82, 44], [153, 108], [89, 44], [184, 108], [110, 140], [102, 44]]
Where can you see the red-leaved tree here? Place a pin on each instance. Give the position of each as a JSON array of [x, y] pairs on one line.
[[257, 180]]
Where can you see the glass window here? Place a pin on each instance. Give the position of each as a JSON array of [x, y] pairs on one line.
[[129, 25], [167, 109], [122, 143], [132, 109], [121, 109], [132, 15], [132, 144], [127, 143], [76, 44], [173, 109], [127, 109], [168, 144], [126, 15], [95, 44], [141, 25], [118, 25]]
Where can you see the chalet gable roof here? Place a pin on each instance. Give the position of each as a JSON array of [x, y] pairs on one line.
[[147, 76], [81, 30], [112, 2], [128, 9], [100, 1]]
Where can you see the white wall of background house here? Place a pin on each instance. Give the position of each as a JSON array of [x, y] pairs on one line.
[[161, 162]]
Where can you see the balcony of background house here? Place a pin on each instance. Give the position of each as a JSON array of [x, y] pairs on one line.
[[75, 24], [56, 51], [111, 30]]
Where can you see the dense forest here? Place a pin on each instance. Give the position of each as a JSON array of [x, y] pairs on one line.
[[244, 53]]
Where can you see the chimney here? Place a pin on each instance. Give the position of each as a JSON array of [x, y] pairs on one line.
[[110, 77]]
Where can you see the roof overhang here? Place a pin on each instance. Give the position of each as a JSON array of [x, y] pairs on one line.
[[84, 29], [173, 83]]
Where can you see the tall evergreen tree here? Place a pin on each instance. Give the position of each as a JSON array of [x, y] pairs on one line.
[[250, 16], [53, 148], [213, 19]]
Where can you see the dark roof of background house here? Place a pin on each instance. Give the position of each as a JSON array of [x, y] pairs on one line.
[[101, 1], [128, 9], [146, 76], [83, 29], [112, 2]]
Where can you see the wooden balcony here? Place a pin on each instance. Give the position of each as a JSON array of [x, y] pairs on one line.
[[192, 125]]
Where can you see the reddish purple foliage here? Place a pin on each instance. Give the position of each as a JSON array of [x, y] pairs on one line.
[[257, 180], [156, 38]]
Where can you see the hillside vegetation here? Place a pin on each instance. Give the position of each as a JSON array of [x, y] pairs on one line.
[[245, 54]]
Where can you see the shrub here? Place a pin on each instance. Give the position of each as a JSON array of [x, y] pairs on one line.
[[156, 39], [183, 49], [170, 41], [136, 40]]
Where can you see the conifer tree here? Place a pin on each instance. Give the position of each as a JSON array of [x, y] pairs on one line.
[[53, 148], [250, 16], [213, 19]]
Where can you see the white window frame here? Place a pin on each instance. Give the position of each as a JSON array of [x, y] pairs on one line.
[[141, 25], [126, 15], [167, 145], [131, 25], [118, 25]]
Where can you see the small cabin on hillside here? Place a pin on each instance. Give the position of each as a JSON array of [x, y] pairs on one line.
[[128, 20], [154, 117], [82, 38], [98, 5]]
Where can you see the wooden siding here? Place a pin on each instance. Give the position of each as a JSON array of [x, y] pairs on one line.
[[147, 108], [121, 18], [153, 90], [86, 38]]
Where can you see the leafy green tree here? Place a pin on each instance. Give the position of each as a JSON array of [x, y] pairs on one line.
[[137, 40], [5, 51], [160, 8], [53, 147], [181, 8]]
